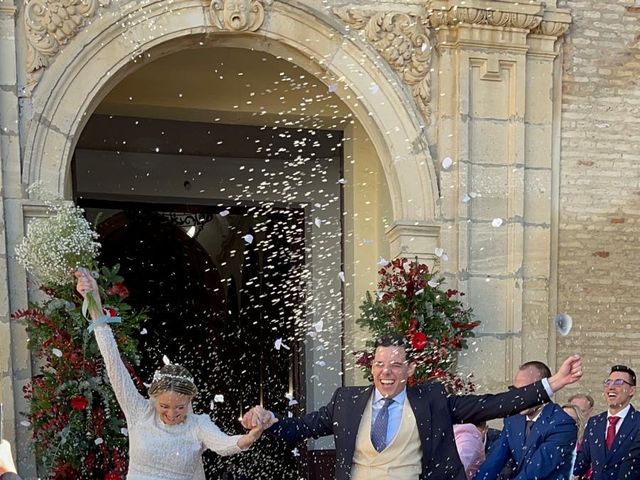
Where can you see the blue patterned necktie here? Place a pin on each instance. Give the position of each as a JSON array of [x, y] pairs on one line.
[[379, 429]]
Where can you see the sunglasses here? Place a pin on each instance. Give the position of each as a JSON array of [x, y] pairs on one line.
[[618, 382]]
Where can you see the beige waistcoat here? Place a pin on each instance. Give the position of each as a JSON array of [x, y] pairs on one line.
[[401, 460]]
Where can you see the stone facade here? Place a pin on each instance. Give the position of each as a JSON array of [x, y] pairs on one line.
[[537, 213], [599, 206]]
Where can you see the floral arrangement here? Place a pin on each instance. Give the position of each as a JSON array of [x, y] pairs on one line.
[[56, 245], [79, 431], [78, 428], [411, 302]]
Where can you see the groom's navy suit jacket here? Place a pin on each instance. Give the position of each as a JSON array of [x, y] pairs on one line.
[[605, 464], [435, 414]]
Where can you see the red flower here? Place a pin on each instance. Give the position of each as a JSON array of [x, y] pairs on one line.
[[112, 476], [109, 311], [118, 289], [418, 340], [78, 402]]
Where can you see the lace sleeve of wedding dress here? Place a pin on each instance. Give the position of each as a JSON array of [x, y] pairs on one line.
[[132, 403], [215, 439]]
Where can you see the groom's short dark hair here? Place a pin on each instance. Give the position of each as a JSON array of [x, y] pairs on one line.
[[393, 340]]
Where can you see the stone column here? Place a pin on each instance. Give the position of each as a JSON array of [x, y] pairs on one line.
[[15, 361], [414, 239], [493, 120]]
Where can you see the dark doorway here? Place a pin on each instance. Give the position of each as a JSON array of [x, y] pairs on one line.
[[221, 286]]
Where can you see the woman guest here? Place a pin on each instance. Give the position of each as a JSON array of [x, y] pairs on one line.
[[166, 439], [470, 447], [574, 412]]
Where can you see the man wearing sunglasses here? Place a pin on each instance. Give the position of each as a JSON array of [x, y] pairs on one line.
[[609, 435]]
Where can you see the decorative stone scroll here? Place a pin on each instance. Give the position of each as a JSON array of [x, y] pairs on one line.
[[50, 24], [403, 41], [237, 15]]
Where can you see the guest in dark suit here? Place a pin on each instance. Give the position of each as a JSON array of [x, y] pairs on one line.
[[540, 441], [7, 467], [608, 436], [395, 432]]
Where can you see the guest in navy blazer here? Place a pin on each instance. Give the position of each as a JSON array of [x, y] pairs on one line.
[[435, 412], [606, 462], [540, 441]]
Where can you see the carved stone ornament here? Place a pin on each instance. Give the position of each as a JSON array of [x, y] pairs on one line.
[[403, 41], [50, 24], [237, 15], [478, 16]]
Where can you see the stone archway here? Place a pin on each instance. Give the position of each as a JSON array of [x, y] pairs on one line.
[[102, 54]]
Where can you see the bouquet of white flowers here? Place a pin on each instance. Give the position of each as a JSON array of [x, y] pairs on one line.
[[57, 245]]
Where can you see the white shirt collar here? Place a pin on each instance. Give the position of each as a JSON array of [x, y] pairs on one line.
[[622, 413]]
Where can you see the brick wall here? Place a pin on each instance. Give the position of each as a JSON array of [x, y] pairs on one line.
[[599, 230]]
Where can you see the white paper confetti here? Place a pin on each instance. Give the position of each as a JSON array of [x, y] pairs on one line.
[[433, 283], [290, 397], [278, 344], [143, 331], [439, 252], [333, 88], [444, 257], [318, 326], [57, 352], [248, 238], [496, 222], [374, 88], [382, 262], [224, 213], [447, 162], [124, 431], [321, 363], [318, 222], [166, 360], [295, 452], [98, 441], [25, 423], [420, 292], [341, 277], [466, 198], [342, 181], [219, 398], [563, 323]]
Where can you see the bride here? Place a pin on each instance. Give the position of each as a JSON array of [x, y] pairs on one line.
[[166, 439]]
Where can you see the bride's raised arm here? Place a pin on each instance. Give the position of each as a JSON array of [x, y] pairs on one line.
[[132, 403]]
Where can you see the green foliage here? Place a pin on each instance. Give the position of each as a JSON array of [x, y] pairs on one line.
[[78, 428], [410, 302]]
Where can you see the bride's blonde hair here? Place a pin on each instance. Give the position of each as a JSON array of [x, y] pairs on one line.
[[173, 378]]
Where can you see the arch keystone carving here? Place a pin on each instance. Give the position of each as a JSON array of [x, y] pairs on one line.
[[403, 41], [237, 15]]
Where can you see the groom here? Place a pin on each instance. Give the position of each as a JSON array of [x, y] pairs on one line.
[[396, 432]]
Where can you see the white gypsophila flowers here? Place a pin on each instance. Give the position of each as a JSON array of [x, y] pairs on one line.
[[57, 245]]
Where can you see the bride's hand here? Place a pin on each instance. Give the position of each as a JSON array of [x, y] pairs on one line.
[[87, 285]]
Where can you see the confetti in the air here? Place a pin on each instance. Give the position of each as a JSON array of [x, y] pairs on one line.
[[248, 238], [382, 262], [98, 441], [143, 331], [295, 452], [278, 344], [433, 283], [124, 431], [318, 326], [57, 352], [466, 198], [563, 323], [292, 400], [374, 88], [420, 292], [219, 398], [496, 222], [439, 252], [333, 88], [341, 277], [166, 360], [447, 162], [224, 213], [318, 222], [342, 181], [25, 423]]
